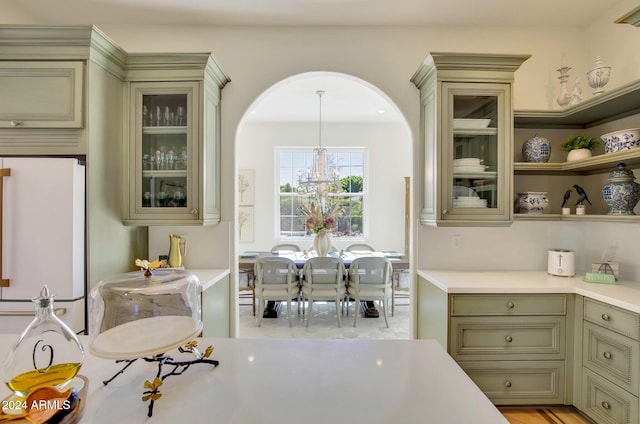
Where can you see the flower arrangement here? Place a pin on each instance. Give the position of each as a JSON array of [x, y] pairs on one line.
[[318, 220]]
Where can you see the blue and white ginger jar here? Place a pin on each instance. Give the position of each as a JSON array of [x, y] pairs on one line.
[[621, 193], [536, 149]]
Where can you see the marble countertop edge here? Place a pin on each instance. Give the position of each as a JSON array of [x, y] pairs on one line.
[[624, 294]]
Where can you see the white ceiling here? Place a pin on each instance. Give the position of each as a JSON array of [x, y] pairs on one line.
[[316, 12], [345, 99]]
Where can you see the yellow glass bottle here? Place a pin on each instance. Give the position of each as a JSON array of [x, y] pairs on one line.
[[47, 353]]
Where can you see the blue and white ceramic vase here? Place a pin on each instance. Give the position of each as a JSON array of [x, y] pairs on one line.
[[532, 202], [536, 149], [621, 193]]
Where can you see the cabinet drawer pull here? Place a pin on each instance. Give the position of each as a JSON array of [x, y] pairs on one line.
[[445, 211], [507, 383], [194, 211], [607, 355], [606, 405], [15, 123], [605, 317], [509, 339], [510, 305]]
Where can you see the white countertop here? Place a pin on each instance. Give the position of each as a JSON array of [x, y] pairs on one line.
[[625, 294], [209, 277], [297, 380]]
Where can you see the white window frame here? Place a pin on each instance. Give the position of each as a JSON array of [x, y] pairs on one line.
[[365, 191]]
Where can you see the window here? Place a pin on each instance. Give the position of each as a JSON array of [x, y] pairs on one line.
[[350, 164]]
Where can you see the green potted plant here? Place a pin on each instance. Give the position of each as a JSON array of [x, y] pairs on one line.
[[579, 147]]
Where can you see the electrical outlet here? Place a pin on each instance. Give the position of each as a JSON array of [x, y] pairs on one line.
[[616, 245], [456, 240]]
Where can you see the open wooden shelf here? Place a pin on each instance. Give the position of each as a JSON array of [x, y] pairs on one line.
[[611, 105], [599, 163]]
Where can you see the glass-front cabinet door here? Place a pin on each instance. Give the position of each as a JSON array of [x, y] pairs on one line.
[[476, 181], [163, 168], [466, 130], [172, 155]]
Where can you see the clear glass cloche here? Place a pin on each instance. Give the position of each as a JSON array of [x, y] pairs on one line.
[[142, 313], [47, 353]]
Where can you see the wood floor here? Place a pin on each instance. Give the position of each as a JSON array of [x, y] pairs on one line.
[[555, 415]]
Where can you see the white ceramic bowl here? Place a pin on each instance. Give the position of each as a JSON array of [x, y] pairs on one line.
[[621, 140]]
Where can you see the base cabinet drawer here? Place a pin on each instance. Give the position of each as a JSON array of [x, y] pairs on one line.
[[615, 319], [508, 304], [519, 382], [612, 355], [513, 338], [607, 403]]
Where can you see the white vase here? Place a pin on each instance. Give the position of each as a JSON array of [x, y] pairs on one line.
[[322, 243], [578, 154]]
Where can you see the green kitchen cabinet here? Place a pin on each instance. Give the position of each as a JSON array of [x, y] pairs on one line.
[[610, 363], [516, 347], [172, 151], [466, 129]]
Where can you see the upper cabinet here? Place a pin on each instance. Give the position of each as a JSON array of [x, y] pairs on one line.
[[52, 83], [44, 94], [172, 149], [467, 134]]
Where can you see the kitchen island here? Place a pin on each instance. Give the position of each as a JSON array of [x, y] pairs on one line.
[[307, 381]]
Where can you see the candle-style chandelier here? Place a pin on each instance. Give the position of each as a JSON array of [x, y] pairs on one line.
[[319, 181]]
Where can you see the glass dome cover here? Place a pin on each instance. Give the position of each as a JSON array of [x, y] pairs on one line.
[[141, 314]]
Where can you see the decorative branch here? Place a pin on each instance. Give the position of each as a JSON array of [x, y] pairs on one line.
[[152, 392]]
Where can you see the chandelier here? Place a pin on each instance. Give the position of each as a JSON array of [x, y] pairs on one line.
[[319, 181]]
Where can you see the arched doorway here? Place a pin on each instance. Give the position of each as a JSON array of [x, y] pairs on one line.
[[355, 116]]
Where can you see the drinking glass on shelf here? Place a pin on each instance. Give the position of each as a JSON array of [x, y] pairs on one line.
[[180, 116], [166, 117], [158, 116], [162, 199], [145, 116]]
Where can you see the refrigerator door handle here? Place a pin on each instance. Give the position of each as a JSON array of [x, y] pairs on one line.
[[4, 172], [57, 311]]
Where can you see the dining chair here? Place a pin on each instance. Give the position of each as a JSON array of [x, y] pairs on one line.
[[359, 247], [370, 279], [324, 280], [276, 279], [285, 247]]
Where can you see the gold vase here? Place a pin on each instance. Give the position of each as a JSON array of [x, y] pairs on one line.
[[175, 256]]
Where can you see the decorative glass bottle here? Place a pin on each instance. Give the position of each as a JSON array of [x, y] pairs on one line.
[[47, 353], [564, 97]]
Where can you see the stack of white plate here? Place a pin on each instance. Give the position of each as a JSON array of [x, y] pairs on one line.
[[469, 202], [467, 166]]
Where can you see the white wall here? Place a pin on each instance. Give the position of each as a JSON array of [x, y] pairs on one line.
[[255, 58], [389, 161]]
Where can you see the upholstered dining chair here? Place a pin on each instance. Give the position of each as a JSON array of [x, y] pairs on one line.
[[324, 280], [276, 279], [285, 247], [362, 247], [370, 279]]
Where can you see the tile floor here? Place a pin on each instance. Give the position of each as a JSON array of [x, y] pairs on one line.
[[324, 324]]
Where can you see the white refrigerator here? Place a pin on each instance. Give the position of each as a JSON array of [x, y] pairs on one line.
[[43, 239]]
